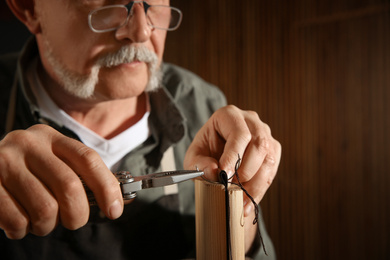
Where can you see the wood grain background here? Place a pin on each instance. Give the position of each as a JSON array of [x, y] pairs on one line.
[[318, 72]]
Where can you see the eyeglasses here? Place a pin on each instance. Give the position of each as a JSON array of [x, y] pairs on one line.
[[111, 17]]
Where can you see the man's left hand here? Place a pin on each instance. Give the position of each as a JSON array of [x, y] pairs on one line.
[[228, 134]]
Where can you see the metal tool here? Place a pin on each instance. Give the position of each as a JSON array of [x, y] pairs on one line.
[[130, 185]]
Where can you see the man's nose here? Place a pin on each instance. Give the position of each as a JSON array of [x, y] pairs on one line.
[[137, 28]]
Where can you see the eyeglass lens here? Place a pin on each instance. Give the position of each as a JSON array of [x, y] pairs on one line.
[[110, 17]]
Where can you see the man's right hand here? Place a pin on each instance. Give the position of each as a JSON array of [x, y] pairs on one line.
[[40, 187]]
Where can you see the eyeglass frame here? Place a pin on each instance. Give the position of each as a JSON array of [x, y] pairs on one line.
[[129, 8]]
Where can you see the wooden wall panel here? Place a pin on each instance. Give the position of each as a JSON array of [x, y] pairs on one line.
[[341, 70], [318, 72]]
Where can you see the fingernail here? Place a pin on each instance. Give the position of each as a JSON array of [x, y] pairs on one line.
[[115, 210]]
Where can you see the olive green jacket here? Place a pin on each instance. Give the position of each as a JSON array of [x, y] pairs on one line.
[[154, 226]]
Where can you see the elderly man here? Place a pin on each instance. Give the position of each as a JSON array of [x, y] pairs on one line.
[[90, 95]]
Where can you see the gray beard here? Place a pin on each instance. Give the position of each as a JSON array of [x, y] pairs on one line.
[[83, 86]]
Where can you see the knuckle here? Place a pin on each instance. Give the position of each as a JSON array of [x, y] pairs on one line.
[[245, 137], [259, 126], [262, 142], [270, 160], [47, 211], [40, 231], [230, 108], [40, 128], [10, 165], [266, 128], [21, 140], [17, 224], [75, 221], [111, 191], [230, 161], [44, 216], [6, 157], [74, 225], [227, 112], [90, 157], [269, 181], [72, 186], [18, 136], [245, 175], [262, 145], [253, 114]]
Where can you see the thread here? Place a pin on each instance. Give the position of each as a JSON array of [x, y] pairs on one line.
[[224, 180]]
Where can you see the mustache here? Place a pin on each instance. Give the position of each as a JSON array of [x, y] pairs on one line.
[[127, 54]]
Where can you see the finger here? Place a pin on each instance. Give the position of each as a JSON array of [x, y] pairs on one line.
[[36, 200], [66, 187], [260, 146], [237, 135], [251, 161], [13, 218], [253, 158], [260, 183], [91, 168], [59, 178], [200, 156], [34, 197]]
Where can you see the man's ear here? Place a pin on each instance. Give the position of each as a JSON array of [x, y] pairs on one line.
[[24, 10]]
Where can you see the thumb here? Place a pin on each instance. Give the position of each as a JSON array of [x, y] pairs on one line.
[[207, 164]]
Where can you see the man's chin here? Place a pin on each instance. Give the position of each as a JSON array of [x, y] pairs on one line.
[[114, 93]]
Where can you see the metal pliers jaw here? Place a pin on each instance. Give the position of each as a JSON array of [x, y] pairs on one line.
[[129, 184]]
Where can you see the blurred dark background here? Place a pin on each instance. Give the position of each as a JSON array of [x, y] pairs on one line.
[[318, 72], [12, 32]]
